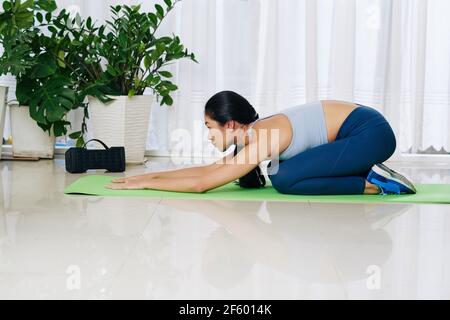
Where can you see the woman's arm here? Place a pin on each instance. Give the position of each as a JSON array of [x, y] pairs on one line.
[[185, 184], [186, 172], [245, 161], [180, 173]]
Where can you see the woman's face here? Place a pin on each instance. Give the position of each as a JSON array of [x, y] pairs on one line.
[[222, 136]]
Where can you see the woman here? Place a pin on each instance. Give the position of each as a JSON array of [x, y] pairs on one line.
[[324, 147]]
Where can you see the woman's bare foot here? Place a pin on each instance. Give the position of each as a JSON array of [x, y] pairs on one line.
[[371, 188]]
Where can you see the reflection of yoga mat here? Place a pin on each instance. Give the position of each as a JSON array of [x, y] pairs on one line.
[[95, 185]]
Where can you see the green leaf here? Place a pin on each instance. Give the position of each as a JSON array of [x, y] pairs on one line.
[[26, 5], [78, 19], [169, 85], [168, 3], [24, 91], [75, 135], [167, 100], [154, 55], [160, 11], [49, 100], [131, 93], [45, 67], [136, 8], [153, 18], [154, 80], [166, 74], [147, 62], [55, 103], [137, 83], [193, 58], [80, 142], [89, 23], [67, 98], [52, 29], [6, 5], [59, 128], [45, 127], [61, 55], [39, 17], [24, 19], [47, 5], [160, 47], [165, 40], [37, 113], [123, 39], [113, 9], [111, 70]]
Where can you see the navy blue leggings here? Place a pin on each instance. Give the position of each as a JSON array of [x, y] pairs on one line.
[[340, 167]]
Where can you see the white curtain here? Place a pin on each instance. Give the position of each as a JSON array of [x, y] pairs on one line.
[[393, 55]]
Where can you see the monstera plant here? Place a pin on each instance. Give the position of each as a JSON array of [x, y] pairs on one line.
[[64, 62], [44, 83]]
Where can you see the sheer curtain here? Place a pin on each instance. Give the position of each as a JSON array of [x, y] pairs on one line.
[[393, 55]]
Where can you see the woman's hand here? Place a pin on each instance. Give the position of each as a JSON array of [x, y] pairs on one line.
[[135, 184], [131, 183], [134, 178]]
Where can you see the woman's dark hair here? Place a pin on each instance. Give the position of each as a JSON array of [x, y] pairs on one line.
[[228, 105]]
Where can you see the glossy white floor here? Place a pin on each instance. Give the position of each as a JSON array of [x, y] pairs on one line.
[[58, 246]]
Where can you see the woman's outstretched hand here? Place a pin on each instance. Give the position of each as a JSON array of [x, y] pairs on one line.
[[133, 178], [132, 183]]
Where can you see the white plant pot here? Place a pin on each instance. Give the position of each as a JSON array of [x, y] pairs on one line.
[[29, 140], [122, 122], [3, 97]]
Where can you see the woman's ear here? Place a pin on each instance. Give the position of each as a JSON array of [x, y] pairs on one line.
[[230, 125]]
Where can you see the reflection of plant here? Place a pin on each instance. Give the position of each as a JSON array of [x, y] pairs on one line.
[[161, 276]]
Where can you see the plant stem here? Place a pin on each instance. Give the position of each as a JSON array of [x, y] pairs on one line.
[[167, 12]]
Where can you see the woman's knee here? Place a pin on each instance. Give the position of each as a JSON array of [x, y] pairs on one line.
[[280, 186], [286, 187], [280, 179], [379, 145], [394, 144], [390, 143]]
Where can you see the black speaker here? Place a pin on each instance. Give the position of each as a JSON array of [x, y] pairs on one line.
[[79, 160]]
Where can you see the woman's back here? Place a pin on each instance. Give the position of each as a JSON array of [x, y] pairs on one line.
[[305, 126]]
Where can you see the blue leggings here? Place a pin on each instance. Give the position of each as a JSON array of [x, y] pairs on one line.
[[340, 167]]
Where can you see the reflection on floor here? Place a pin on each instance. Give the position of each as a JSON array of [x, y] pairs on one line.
[[58, 246]]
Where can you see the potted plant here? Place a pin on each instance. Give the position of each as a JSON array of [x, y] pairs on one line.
[[45, 89], [3, 97], [122, 58]]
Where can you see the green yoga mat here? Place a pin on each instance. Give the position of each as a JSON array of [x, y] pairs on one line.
[[95, 185]]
